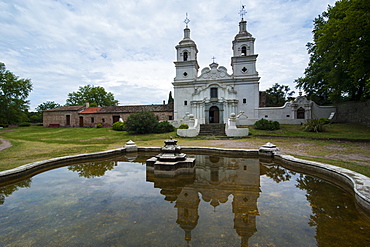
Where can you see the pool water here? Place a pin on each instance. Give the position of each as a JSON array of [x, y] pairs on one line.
[[223, 201]]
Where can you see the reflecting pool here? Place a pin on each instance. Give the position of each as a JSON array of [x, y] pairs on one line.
[[223, 201]]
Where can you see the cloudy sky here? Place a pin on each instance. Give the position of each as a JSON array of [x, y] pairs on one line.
[[128, 46]]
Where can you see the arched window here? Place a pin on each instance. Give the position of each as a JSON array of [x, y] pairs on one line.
[[185, 56], [244, 51]]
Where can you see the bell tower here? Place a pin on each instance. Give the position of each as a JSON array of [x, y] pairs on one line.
[[244, 60], [186, 65]]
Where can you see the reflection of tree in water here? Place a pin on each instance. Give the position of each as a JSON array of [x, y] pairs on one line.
[[278, 173], [333, 208], [9, 189], [91, 170]]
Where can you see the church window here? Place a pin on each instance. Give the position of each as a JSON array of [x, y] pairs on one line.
[[214, 93], [92, 120], [244, 51], [266, 116], [170, 117], [185, 74], [244, 101], [287, 115], [185, 56], [244, 70], [185, 102], [103, 120]]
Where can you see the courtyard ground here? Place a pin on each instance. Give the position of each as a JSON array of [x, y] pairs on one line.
[[347, 146]]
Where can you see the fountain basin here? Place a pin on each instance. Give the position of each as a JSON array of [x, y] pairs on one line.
[[357, 183], [229, 198]]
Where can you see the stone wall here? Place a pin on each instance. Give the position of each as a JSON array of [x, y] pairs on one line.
[[65, 116], [354, 112], [80, 116]]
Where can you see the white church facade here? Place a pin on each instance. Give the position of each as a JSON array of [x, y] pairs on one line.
[[215, 96]]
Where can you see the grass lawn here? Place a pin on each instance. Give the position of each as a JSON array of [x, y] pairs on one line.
[[37, 143]]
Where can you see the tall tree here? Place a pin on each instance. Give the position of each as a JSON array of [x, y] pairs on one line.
[[46, 106], [13, 94], [36, 117], [96, 96], [277, 95], [339, 66], [170, 98]]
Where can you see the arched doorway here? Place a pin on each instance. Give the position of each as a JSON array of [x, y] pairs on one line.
[[214, 114], [300, 113]]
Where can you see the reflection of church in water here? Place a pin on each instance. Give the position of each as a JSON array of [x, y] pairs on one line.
[[214, 179]]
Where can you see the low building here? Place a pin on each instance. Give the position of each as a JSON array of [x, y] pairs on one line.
[[84, 116]]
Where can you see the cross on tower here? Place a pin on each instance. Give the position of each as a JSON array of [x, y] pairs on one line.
[[213, 58], [186, 20], [242, 12]]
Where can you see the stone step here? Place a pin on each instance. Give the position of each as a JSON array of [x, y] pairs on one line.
[[212, 130]]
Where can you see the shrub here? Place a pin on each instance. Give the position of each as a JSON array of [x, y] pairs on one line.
[[313, 125], [25, 124], [143, 122], [183, 126], [264, 124], [119, 126], [99, 126], [325, 120], [164, 127]]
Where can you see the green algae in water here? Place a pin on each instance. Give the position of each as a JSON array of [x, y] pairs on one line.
[[223, 202]]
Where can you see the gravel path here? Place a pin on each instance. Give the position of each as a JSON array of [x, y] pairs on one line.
[[4, 144]]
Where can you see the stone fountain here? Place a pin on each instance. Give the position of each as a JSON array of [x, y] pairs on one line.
[[171, 161]]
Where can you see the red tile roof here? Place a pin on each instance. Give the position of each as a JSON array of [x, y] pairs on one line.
[[91, 110]]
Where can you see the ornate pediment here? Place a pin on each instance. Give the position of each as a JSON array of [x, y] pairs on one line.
[[214, 72], [301, 101], [229, 88]]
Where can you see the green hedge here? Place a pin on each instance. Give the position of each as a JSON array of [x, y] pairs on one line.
[[25, 124], [264, 124], [183, 126], [119, 126]]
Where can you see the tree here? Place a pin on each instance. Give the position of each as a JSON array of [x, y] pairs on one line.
[[143, 122], [36, 117], [277, 95], [13, 95], [170, 98], [46, 106], [339, 66], [96, 96]]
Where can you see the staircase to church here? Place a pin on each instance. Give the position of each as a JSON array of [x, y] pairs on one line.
[[213, 129]]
